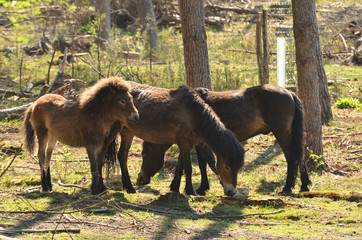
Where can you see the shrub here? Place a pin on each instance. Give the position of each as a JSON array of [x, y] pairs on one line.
[[348, 102]]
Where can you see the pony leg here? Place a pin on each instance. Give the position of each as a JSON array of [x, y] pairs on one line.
[[184, 158], [204, 155], [126, 142], [97, 186], [100, 157], [284, 140], [48, 156], [304, 177], [153, 158], [42, 144], [175, 184]]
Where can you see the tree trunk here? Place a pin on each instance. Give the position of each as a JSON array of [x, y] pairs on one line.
[[324, 97], [307, 51], [195, 43], [103, 7], [147, 20]]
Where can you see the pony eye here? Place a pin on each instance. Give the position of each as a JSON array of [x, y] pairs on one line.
[[122, 101], [227, 168]]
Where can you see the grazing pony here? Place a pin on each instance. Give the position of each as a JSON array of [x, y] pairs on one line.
[[91, 122], [256, 110], [180, 116]]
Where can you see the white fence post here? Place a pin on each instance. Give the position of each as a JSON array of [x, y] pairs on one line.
[[281, 61]]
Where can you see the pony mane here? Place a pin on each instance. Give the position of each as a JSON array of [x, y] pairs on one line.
[[209, 126], [101, 89], [201, 91]]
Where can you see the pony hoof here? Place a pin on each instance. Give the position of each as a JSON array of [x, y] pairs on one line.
[[201, 192], [304, 189], [143, 181], [175, 187], [98, 191], [190, 192], [132, 190], [285, 192]]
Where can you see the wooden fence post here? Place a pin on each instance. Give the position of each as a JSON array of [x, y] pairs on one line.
[[265, 48], [258, 47]]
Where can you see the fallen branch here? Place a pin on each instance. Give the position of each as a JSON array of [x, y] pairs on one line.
[[11, 162], [264, 224], [60, 230], [53, 212], [75, 221], [13, 113], [2, 237], [71, 185], [343, 41], [342, 135], [10, 93], [245, 215]]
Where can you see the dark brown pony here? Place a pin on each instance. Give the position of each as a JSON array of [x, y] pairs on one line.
[[180, 116], [92, 122], [256, 110]]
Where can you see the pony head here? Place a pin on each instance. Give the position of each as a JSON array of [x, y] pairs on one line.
[[228, 165]]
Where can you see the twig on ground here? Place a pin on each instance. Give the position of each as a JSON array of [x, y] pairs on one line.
[[11, 162], [245, 215], [264, 224], [56, 227], [27, 190], [13, 231], [71, 185], [76, 221], [53, 212]]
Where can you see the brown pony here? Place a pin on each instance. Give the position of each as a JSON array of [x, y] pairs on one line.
[[180, 116], [92, 122], [256, 110]]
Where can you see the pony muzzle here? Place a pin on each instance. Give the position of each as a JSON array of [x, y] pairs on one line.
[[134, 117], [229, 190]]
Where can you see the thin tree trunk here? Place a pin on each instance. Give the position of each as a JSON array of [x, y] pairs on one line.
[[307, 51], [195, 43], [147, 20], [103, 7]]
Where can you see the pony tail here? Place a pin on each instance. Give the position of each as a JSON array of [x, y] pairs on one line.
[[28, 131], [297, 144], [297, 131]]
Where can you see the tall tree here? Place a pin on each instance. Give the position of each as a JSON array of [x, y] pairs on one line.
[[103, 8], [195, 43], [308, 66], [147, 20]]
